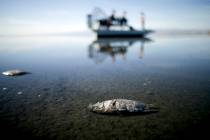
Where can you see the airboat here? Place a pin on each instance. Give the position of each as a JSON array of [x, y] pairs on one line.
[[111, 26]]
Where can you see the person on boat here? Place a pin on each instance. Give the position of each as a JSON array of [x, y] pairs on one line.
[[143, 21], [123, 20], [112, 18], [104, 23]]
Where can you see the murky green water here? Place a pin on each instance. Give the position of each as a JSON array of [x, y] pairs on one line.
[[68, 73]]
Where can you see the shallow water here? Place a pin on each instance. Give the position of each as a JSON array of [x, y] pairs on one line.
[[68, 73]]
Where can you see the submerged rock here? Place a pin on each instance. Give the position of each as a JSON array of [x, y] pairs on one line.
[[20, 92], [4, 88], [14, 72], [122, 106]]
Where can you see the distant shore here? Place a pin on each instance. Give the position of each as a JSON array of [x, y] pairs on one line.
[[89, 33], [183, 32]]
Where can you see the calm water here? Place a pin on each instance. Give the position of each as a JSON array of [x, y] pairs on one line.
[[68, 73]]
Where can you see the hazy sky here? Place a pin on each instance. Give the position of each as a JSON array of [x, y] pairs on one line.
[[55, 16]]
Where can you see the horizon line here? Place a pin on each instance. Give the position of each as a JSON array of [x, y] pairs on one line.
[[86, 32]]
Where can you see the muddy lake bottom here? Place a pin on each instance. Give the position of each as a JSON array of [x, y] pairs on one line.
[[67, 74]]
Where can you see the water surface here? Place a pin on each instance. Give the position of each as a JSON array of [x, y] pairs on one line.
[[68, 73]]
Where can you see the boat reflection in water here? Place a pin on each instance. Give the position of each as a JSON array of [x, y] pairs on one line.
[[102, 48]]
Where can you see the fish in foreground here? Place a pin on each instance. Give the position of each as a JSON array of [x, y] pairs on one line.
[[14, 72], [122, 106]]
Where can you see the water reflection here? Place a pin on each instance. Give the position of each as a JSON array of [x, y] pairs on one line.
[[102, 48]]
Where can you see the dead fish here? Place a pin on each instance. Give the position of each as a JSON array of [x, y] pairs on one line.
[[122, 106], [14, 72]]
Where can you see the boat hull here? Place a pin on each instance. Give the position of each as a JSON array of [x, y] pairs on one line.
[[135, 33]]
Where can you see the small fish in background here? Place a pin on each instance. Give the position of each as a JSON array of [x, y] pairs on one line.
[[14, 72], [122, 106]]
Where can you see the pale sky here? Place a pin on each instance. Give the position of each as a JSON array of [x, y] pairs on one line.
[[23, 17]]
